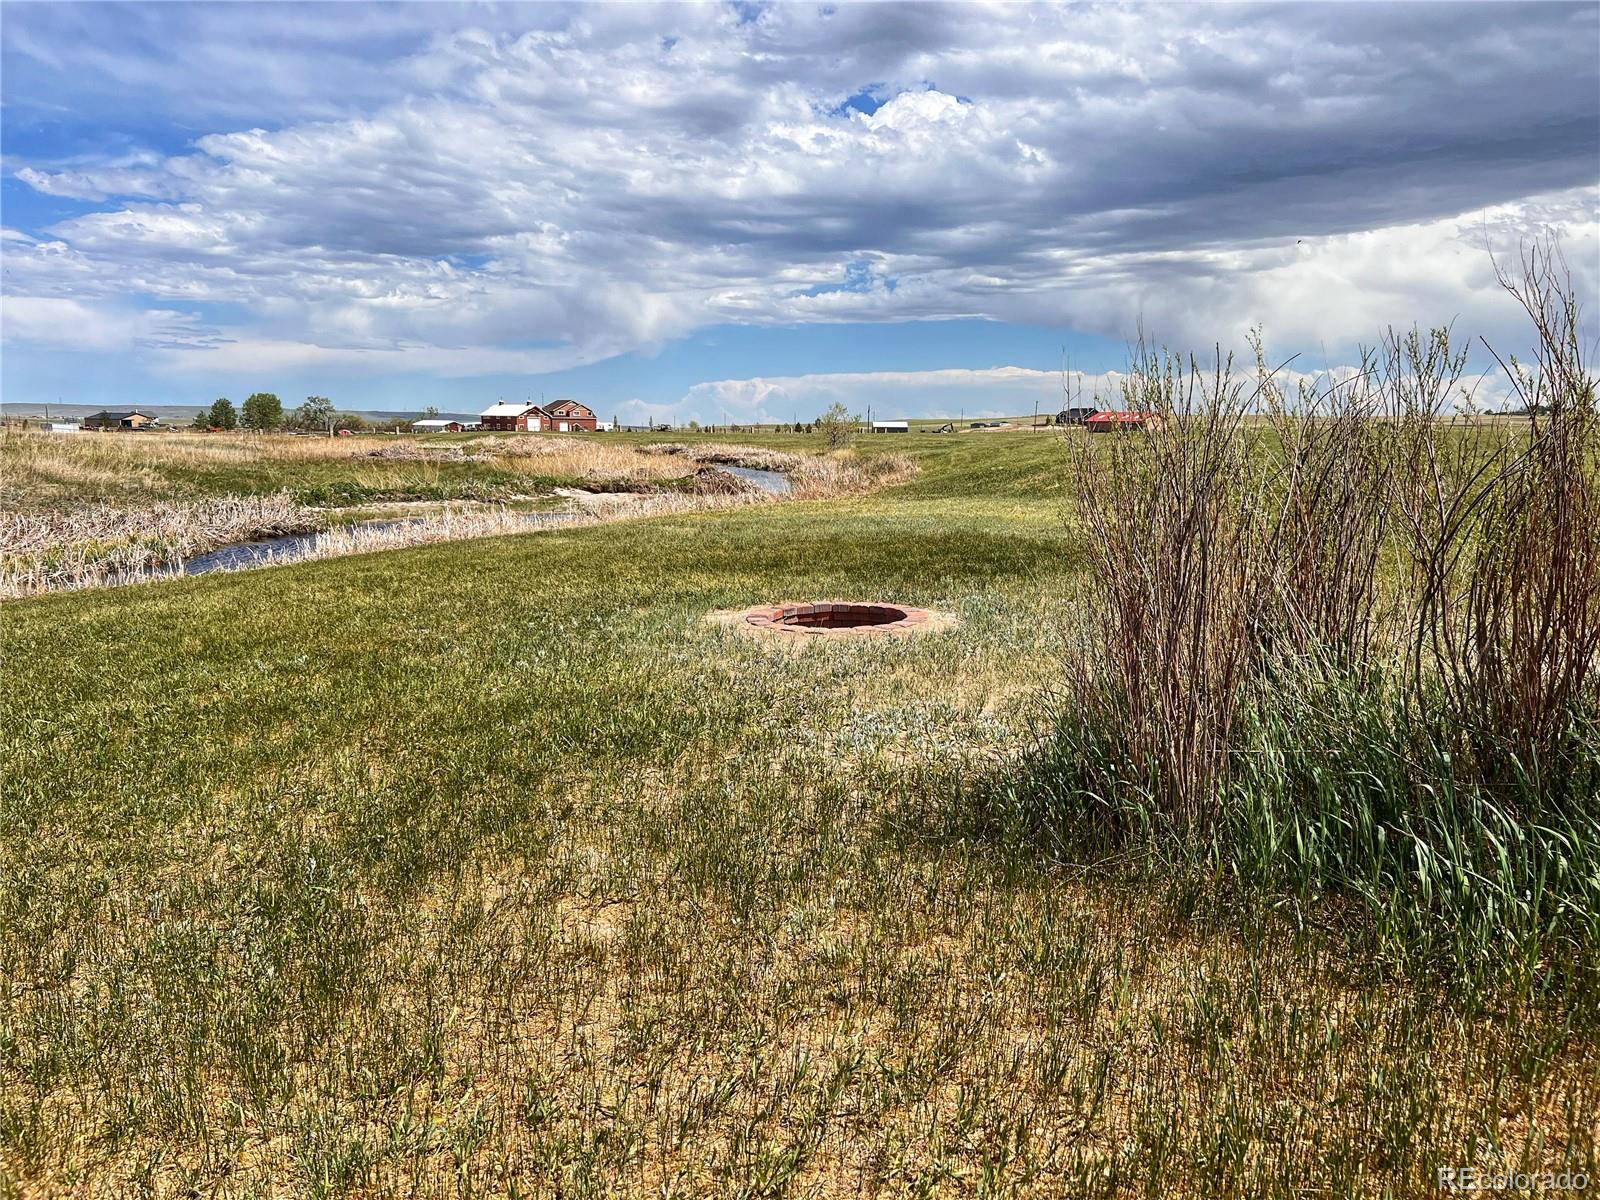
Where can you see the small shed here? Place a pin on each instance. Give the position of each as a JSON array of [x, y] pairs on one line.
[[890, 427], [61, 427], [1123, 422]]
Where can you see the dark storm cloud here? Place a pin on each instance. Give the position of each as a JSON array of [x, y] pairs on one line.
[[616, 175]]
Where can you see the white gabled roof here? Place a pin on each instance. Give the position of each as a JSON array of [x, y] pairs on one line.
[[506, 410]]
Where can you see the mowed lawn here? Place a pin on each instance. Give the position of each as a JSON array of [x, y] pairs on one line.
[[494, 868]]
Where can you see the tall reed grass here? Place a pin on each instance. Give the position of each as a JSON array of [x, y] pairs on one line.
[[1351, 646]]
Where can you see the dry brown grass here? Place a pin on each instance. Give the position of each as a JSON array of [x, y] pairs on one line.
[[811, 476], [580, 458], [58, 536], [623, 1036], [51, 467], [130, 451], [458, 525], [50, 551]]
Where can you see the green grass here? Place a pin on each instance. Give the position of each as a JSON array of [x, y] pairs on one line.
[[491, 867]]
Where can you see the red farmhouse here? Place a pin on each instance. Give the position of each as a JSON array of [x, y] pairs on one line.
[[561, 416]]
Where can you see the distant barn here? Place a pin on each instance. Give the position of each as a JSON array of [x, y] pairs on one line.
[[512, 418], [562, 416], [890, 427], [106, 419], [1075, 416], [441, 425]]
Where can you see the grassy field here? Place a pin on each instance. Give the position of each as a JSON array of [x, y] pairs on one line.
[[98, 510], [493, 868]]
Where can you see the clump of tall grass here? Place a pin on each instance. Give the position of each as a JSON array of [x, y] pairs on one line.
[[1351, 646], [1503, 546], [811, 476], [51, 550], [1176, 567], [844, 473], [572, 455], [757, 458]]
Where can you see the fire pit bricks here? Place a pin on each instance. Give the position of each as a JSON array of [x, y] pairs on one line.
[[841, 619]]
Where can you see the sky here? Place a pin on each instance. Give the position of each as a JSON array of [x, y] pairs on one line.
[[746, 212]]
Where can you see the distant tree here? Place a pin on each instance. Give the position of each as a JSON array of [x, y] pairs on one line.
[[263, 410], [428, 414], [837, 426], [316, 414], [222, 414], [694, 424], [202, 419]]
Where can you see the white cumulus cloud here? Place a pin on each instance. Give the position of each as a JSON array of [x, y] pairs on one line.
[[465, 191]]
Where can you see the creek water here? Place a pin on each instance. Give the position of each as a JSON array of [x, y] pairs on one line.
[[775, 482], [241, 555], [259, 553]]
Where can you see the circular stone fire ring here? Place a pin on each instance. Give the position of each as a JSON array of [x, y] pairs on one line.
[[833, 618]]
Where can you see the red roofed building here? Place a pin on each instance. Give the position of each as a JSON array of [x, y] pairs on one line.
[[1122, 422], [512, 418], [562, 416], [565, 416]]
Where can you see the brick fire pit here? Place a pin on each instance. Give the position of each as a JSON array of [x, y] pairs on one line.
[[833, 618]]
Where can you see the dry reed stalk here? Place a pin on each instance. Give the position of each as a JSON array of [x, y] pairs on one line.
[[1504, 539], [1331, 476], [811, 476], [817, 478], [58, 571], [757, 458], [1221, 560], [1177, 566], [45, 551], [577, 458]]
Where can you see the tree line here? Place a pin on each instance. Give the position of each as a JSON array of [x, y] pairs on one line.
[[263, 410]]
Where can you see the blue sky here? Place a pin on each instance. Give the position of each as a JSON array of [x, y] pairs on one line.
[[752, 211]]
